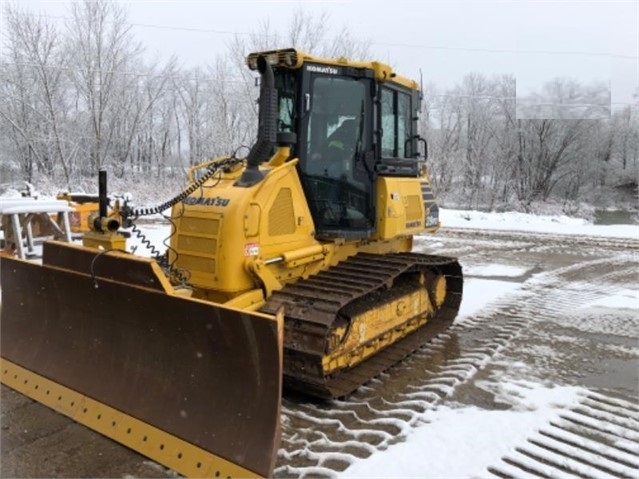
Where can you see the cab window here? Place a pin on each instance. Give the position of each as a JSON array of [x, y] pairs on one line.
[[335, 129], [396, 124]]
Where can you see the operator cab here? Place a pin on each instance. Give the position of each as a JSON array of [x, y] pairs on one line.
[[351, 127]]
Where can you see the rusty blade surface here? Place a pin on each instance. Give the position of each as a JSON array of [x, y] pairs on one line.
[[206, 374]]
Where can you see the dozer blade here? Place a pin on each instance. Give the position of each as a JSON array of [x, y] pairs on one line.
[[103, 339]]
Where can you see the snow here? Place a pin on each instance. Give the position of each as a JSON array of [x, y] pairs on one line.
[[479, 293], [514, 221], [470, 438], [500, 270], [624, 299], [31, 206]]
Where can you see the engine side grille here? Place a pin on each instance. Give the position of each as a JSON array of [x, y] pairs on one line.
[[197, 244], [281, 217]]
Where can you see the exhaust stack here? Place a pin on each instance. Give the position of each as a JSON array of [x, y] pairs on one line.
[[267, 126]]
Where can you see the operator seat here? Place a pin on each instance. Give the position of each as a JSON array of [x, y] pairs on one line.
[[336, 159]]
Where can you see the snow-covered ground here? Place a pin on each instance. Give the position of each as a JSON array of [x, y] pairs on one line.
[[437, 451], [514, 221], [463, 442]]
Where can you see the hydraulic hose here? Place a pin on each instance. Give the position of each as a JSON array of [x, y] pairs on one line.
[[212, 170]]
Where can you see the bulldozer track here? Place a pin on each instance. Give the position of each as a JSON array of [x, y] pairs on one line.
[[313, 305]]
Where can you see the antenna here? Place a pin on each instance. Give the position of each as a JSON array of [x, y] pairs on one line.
[[421, 85]]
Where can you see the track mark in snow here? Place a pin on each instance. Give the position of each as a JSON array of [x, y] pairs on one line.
[[586, 442]]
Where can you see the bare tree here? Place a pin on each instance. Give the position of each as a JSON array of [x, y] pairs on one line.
[[502, 125], [104, 60], [135, 104], [566, 99], [548, 151], [233, 121], [485, 156], [475, 140], [626, 123], [192, 95], [19, 117], [34, 92], [445, 140]]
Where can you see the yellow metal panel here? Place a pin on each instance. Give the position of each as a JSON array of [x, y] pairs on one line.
[[400, 210], [252, 220], [245, 224], [414, 208], [377, 328]]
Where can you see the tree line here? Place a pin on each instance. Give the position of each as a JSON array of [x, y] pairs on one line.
[[83, 96], [491, 149]]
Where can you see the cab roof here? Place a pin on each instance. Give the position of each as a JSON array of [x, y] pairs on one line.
[[294, 59]]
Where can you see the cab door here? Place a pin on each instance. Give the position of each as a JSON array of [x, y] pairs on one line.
[[336, 131]]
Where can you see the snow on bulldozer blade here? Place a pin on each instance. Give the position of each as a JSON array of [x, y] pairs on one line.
[[103, 338]]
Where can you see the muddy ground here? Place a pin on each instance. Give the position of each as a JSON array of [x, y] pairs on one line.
[[542, 330]]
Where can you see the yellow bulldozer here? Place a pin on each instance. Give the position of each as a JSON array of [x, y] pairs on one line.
[[290, 268]]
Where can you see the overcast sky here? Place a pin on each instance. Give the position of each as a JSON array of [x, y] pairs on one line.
[[535, 40]]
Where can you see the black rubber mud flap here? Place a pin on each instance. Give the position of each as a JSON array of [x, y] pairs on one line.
[[102, 339]]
